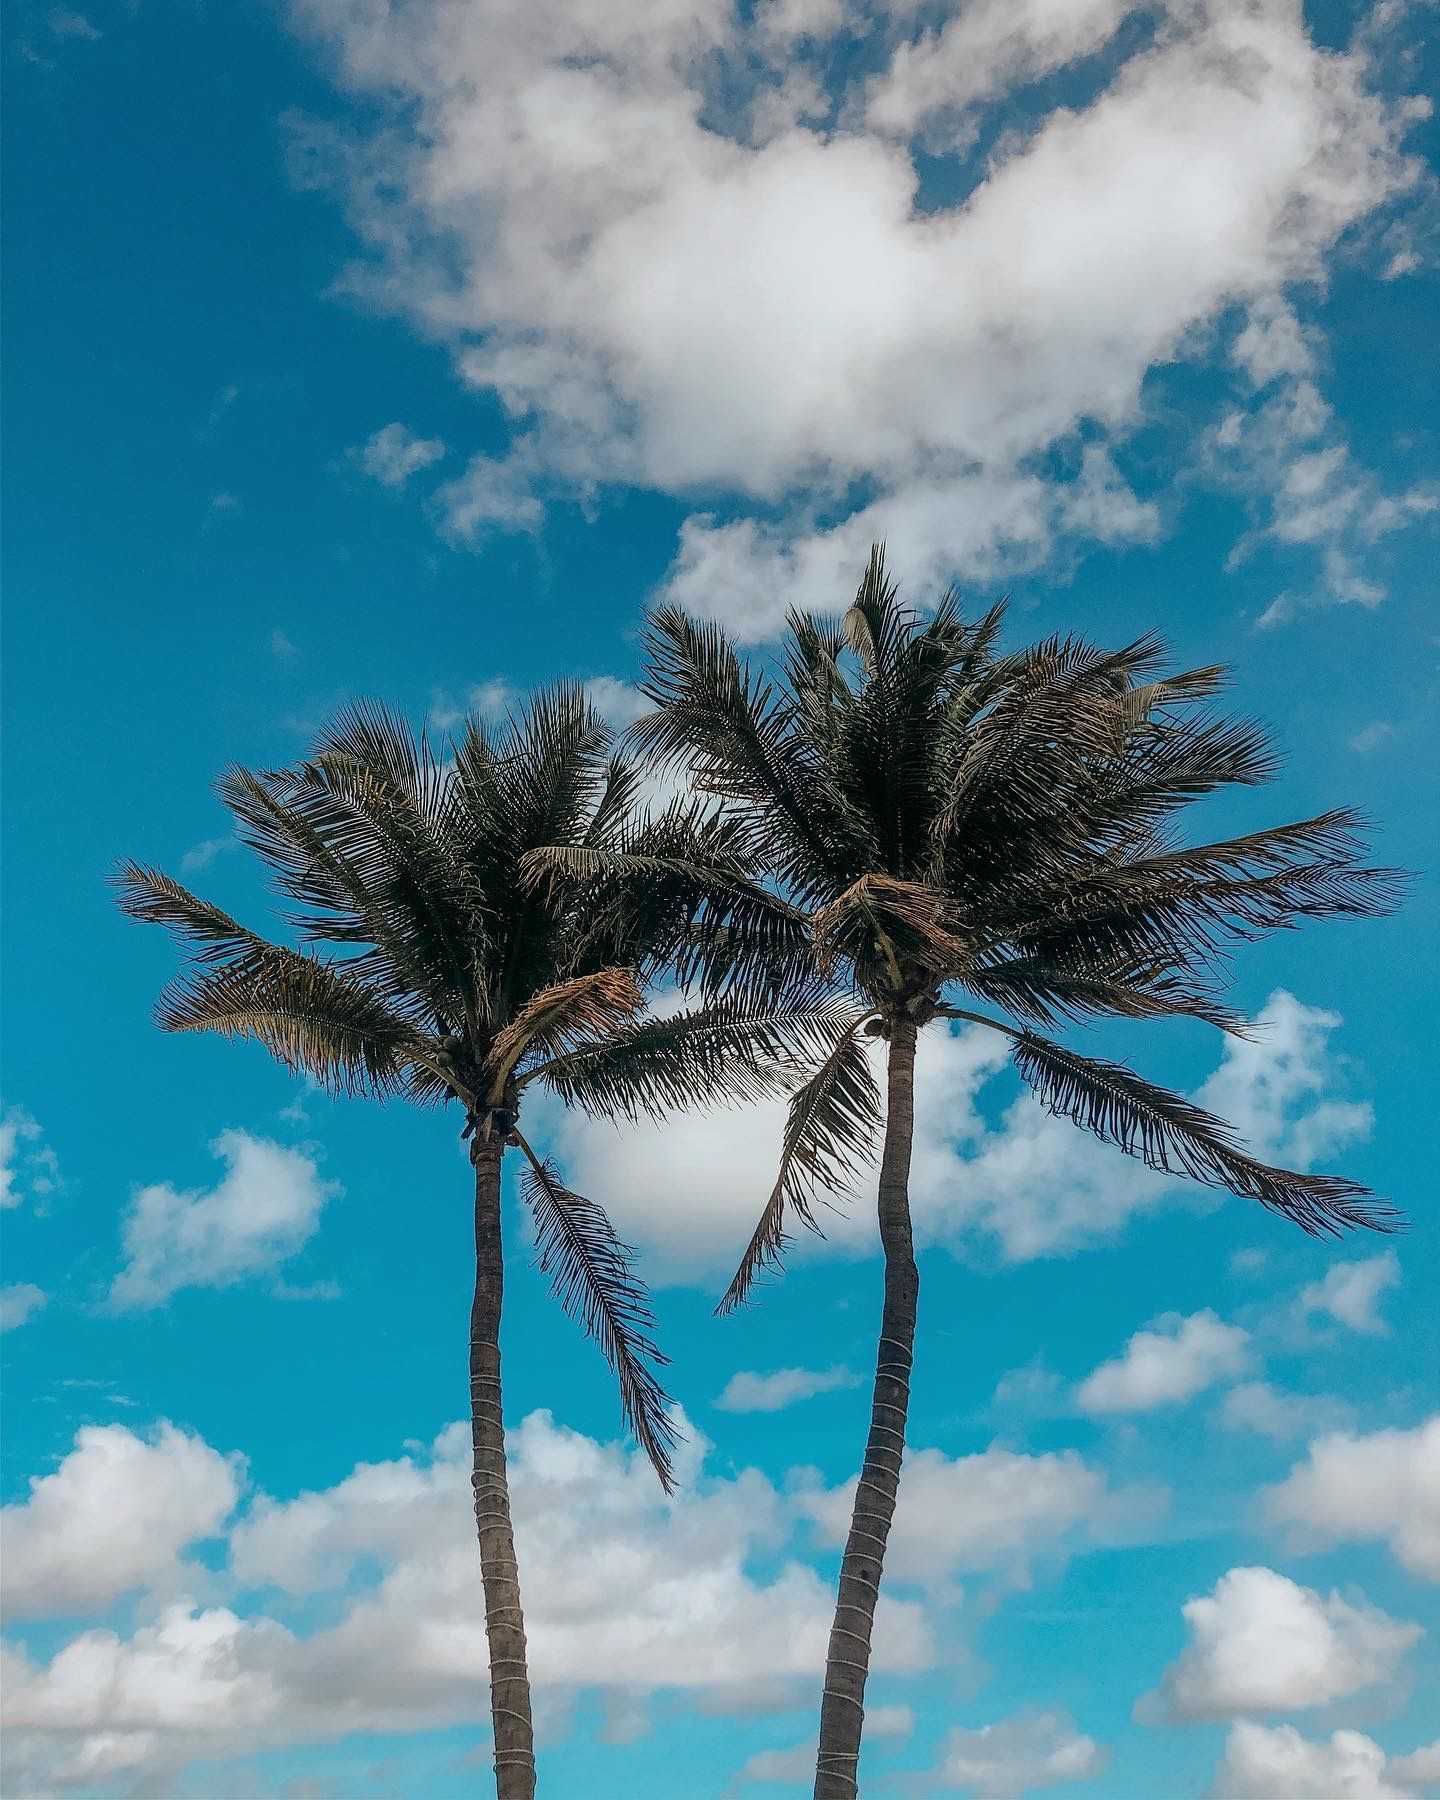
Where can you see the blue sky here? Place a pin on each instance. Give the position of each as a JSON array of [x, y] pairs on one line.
[[413, 355]]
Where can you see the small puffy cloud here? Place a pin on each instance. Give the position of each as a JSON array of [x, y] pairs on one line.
[[1257, 1406], [29, 1168], [114, 1517], [1262, 1643], [200, 856], [797, 1762], [19, 1301], [1017, 1756], [749, 1392], [1371, 737], [1350, 1292], [994, 1510], [262, 1210], [65, 22], [1381, 1486], [395, 453], [1277, 1763], [1166, 1365]]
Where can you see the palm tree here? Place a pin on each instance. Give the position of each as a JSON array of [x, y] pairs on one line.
[[452, 974], [947, 823]]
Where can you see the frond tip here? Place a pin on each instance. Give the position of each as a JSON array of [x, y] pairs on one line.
[[592, 1275], [830, 1133], [1172, 1134]]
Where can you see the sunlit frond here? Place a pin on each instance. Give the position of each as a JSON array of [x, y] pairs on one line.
[[305, 1013]]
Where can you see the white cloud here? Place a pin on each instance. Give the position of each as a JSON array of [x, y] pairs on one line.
[[1257, 1406], [1018, 1756], [642, 232], [991, 46], [1383, 1486], [19, 1301], [115, 1516], [1350, 1291], [28, 1166], [1372, 736], [797, 1762], [994, 1510], [1261, 1643], [1168, 1365], [618, 702], [262, 1210], [395, 453], [1277, 1763], [1032, 1184], [201, 855], [626, 1592], [748, 1392]]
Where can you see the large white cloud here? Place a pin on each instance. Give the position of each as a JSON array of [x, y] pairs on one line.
[[682, 256], [1261, 1643], [115, 1516], [1030, 1185], [263, 1209], [1277, 1763], [626, 1593], [1380, 1486], [1164, 1366]]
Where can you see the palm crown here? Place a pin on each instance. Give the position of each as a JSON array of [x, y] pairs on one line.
[[436, 962], [947, 822]]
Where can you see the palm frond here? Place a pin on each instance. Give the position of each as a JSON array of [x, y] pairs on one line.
[[592, 1275], [1172, 1134], [565, 1016], [153, 897], [306, 1014], [726, 1052], [830, 1134]]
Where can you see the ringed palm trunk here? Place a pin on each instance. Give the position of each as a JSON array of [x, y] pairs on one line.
[[842, 1707], [504, 1619]]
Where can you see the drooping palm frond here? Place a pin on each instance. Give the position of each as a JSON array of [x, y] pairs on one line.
[[306, 1014], [830, 1134], [593, 1277], [1045, 991], [1172, 1134]]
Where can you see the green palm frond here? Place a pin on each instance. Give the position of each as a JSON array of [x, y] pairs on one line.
[[305, 1013], [830, 1134], [1175, 1136], [592, 1275], [155, 898], [726, 1052]]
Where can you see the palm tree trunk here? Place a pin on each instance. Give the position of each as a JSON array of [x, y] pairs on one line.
[[842, 1707], [504, 1620]]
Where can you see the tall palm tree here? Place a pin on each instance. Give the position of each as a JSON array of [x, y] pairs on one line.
[[433, 964], [946, 823]]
